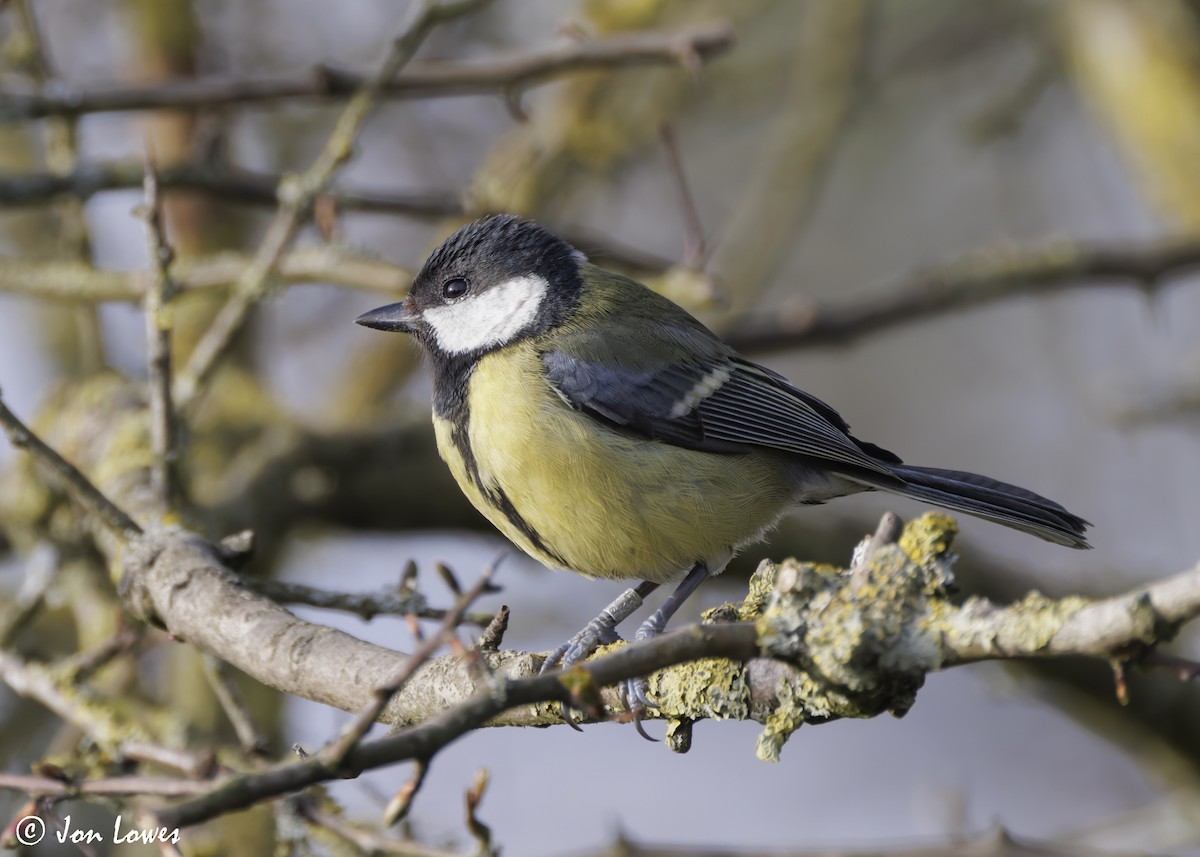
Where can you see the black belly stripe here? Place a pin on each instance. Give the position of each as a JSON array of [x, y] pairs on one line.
[[495, 494], [451, 378]]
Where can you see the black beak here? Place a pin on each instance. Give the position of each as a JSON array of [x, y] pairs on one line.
[[390, 317]]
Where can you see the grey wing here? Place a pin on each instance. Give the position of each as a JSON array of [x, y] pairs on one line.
[[714, 403]]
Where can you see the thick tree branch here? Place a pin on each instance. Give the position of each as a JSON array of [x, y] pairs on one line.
[[816, 651], [423, 80]]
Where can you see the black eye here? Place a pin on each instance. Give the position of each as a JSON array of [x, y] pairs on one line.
[[455, 288]]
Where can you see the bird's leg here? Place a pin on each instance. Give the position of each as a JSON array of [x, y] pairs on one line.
[[634, 690], [601, 631]]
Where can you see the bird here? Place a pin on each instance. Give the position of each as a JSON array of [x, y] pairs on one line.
[[606, 431]]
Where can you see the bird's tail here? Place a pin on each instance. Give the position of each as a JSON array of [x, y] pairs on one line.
[[994, 501]]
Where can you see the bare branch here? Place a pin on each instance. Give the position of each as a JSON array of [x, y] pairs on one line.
[[296, 197], [81, 666], [479, 831], [693, 229], [389, 601], [993, 843], [424, 80], [41, 572], [193, 765], [112, 786], [253, 741], [368, 841], [78, 486], [223, 181], [76, 281], [43, 683], [164, 427], [985, 277], [335, 754], [398, 807]]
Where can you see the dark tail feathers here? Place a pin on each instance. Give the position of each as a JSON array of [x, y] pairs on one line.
[[994, 501]]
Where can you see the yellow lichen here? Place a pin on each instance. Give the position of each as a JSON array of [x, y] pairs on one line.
[[928, 538]]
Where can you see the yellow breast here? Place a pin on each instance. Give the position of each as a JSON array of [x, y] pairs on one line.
[[575, 494]]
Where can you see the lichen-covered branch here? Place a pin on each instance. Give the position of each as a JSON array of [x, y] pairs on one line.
[[809, 644]]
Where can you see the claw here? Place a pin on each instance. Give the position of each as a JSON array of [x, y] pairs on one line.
[[634, 697], [568, 716], [637, 724]]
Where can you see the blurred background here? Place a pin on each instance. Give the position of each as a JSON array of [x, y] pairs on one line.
[[842, 154]]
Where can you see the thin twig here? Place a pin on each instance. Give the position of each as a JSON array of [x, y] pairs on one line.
[[493, 634], [41, 572], [61, 152], [336, 752], [103, 724], [398, 807], [424, 80], [693, 229], [479, 831], [69, 478], [75, 281], [1184, 669], [226, 182], [164, 427], [232, 184], [81, 666], [368, 841], [296, 197], [111, 786], [367, 605], [253, 741], [187, 763]]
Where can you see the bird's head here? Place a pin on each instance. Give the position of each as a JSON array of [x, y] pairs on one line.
[[491, 283]]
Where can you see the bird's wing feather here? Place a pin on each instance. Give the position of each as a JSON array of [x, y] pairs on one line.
[[703, 396]]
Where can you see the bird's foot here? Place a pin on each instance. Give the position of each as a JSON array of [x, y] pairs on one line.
[[601, 631]]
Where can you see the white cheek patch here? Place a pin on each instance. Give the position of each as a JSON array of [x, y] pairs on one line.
[[488, 319]]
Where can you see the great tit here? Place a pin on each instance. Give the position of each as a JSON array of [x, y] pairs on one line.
[[606, 431]]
